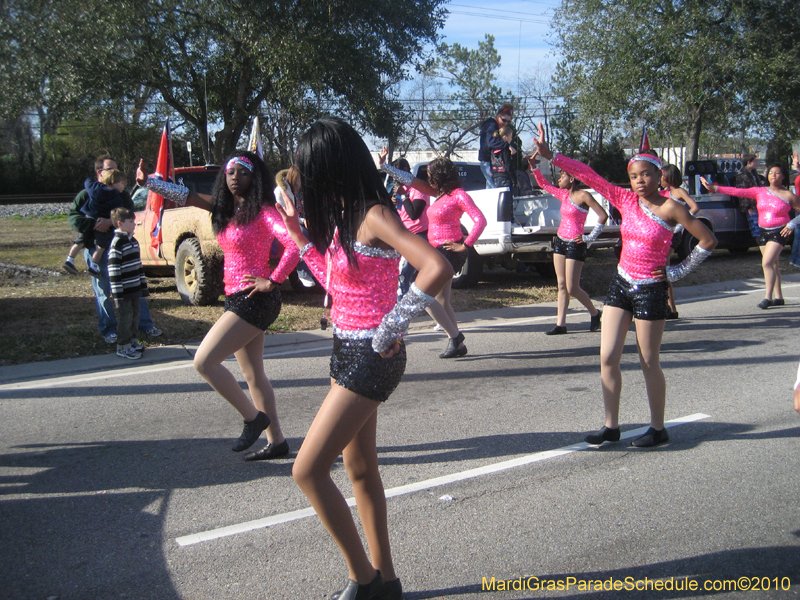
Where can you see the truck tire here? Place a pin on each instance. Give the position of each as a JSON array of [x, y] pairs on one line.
[[471, 272], [686, 245], [197, 277]]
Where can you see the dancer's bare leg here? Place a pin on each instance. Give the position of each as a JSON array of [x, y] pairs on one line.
[[226, 336], [616, 323], [648, 339], [340, 419], [446, 317], [772, 275], [361, 461], [251, 362], [559, 263], [574, 289]]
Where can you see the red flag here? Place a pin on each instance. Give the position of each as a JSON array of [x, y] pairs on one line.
[[644, 144], [166, 170]]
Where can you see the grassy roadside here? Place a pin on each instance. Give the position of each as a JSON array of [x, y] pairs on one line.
[[49, 317]]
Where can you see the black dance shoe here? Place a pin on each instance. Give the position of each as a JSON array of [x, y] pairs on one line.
[[595, 323], [778, 302], [558, 330], [392, 590], [652, 437], [672, 315], [605, 434], [251, 432], [269, 452], [369, 591], [765, 304], [455, 347]]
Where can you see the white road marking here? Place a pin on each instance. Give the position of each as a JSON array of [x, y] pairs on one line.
[[295, 515]]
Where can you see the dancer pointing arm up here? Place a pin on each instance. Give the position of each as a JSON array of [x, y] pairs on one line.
[[638, 291]]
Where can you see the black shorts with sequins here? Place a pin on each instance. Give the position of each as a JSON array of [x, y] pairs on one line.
[[570, 250], [647, 301], [357, 367], [771, 235], [259, 311], [456, 259]]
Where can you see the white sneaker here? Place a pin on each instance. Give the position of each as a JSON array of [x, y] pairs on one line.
[[438, 327], [128, 352]]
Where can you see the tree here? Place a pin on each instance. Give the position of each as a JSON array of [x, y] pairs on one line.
[[679, 65], [455, 93], [215, 62]]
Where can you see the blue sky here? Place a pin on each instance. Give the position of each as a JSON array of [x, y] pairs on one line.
[[520, 29]]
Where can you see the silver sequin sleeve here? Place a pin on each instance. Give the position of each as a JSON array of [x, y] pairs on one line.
[[692, 261], [171, 191], [395, 322], [305, 249], [594, 233], [793, 223], [399, 175]]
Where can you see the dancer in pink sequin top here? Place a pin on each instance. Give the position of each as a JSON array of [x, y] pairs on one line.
[[246, 223], [639, 291], [362, 293], [569, 247], [773, 204], [247, 250], [348, 209], [444, 232]]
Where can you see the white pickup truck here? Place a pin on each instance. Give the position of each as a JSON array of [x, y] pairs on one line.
[[518, 229]]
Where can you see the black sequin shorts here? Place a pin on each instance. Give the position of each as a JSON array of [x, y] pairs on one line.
[[647, 301], [456, 259], [357, 367], [771, 235], [259, 311], [571, 250]]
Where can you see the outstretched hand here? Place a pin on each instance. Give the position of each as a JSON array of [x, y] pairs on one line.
[[706, 184], [141, 176], [542, 146]]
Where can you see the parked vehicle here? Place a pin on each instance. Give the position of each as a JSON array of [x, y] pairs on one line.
[[518, 230]]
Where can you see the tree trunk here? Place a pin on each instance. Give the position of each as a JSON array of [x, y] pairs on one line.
[[695, 127]]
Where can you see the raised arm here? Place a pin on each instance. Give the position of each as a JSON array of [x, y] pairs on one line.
[[751, 192], [179, 194], [407, 178], [291, 254], [546, 185], [307, 252]]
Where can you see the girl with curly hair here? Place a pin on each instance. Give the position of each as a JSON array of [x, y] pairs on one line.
[[245, 221], [444, 234]]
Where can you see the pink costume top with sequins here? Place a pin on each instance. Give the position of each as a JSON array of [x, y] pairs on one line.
[[773, 211], [415, 225], [573, 217], [247, 248], [444, 219], [646, 237], [362, 294]]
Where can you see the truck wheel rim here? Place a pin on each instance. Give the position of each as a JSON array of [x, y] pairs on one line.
[[190, 274]]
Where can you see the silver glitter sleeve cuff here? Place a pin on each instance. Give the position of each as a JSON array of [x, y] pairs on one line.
[[793, 223], [305, 249], [395, 322], [171, 191], [399, 175], [594, 233], [692, 261]]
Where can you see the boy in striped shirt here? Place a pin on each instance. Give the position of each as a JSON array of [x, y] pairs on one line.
[[127, 280]]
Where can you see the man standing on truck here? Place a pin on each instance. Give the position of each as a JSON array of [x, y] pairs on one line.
[[746, 178], [488, 142], [101, 287]]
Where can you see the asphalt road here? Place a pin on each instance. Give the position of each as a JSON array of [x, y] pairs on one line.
[[117, 480]]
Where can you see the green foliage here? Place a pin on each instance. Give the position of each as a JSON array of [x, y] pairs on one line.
[[682, 66]]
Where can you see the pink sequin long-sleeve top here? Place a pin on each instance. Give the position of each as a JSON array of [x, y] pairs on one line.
[[646, 238], [573, 217], [361, 295], [773, 211], [247, 248], [444, 219]]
